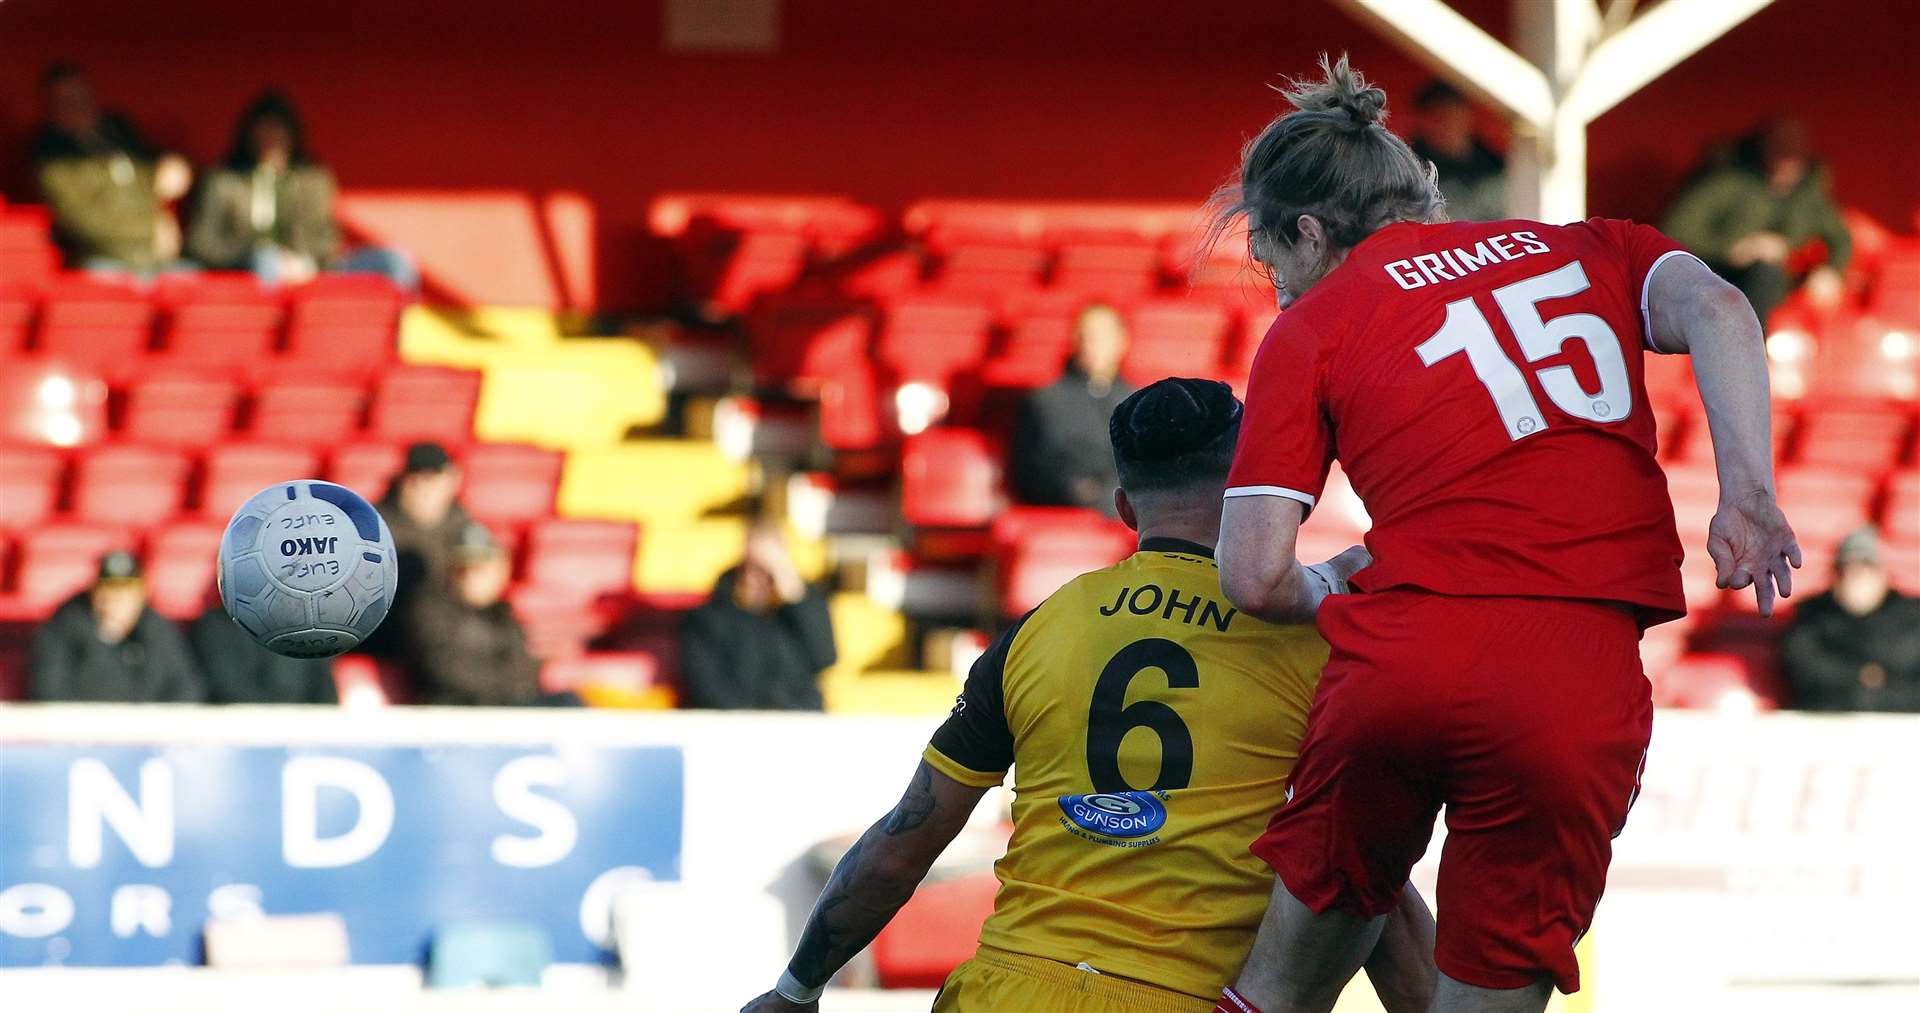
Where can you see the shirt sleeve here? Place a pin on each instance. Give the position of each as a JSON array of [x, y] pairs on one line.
[[974, 746], [1286, 438], [1645, 249]]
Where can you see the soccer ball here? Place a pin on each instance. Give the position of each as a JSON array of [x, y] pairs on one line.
[[307, 568]]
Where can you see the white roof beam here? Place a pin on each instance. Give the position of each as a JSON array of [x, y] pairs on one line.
[[1649, 46], [1458, 50]]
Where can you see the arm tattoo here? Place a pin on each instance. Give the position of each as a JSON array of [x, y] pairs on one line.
[[875, 879], [915, 806]]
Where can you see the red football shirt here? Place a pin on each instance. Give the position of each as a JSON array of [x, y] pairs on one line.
[[1482, 385]]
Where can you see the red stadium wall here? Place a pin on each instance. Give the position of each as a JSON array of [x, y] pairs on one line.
[[883, 101]]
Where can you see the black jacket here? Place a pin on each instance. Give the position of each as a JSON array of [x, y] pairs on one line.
[[70, 663], [1062, 453], [459, 655], [423, 559], [732, 659], [1825, 649], [239, 670]]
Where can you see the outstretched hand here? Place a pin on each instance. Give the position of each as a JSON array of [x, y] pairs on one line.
[[1752, 543], [774, 1002]]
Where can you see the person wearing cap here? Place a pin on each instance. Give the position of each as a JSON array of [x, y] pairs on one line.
[[1060, 455], [463, 647], [1855, 647], [423, 511], [104, 645], [1149, 725]]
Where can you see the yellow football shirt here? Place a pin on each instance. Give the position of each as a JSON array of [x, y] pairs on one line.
[[1150, 728]]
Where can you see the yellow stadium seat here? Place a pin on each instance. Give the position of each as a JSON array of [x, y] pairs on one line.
[[866, 634], [582, 392], [686, 557], [890, 692], [650, 481]]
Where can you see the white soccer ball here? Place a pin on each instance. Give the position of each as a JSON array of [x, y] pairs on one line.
[[307, 568]]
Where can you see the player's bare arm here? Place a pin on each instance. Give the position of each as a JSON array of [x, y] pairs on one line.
[[873, 881], [1258, 571], [1691, 310]]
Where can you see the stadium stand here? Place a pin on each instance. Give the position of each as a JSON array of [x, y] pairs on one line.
[[881, 361]]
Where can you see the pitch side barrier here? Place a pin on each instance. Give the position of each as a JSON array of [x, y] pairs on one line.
[[1770, 850]]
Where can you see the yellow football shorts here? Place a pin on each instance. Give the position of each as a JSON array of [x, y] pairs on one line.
[[996, 981]]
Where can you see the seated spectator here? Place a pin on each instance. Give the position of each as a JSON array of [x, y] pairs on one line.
[[269, 207], [1472, 176], [463, 645], [239, 670], [1758, 210], [1061, 455], [105, 645], [1857, 646], [422, 510], [762, 639], [107, 187]]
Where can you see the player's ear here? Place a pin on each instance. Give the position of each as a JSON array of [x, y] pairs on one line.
[[1310, 229], [1124, 507]]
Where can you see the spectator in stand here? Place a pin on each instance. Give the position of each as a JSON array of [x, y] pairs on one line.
[[422, 510], [269, 207], [1061, 455], [106, 646], [763, 637], [1757, 211], [109, 189], [1857, 646], [464, 647], [1472, 176], [239, 670]]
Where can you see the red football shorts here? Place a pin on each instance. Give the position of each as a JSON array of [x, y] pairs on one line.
[[1528, 718]]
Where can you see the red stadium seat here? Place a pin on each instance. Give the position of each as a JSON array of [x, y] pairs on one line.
[[315, 410], [1708, 682], [367, 468], [59, 560], [1903, 507], [801, 344], [1896, 292], [1825, 505], [18, 306], [235, 472], [937, 930], [346, 322], [1866, 440], [851, 418], [43, 401], [130, 486], [27, 253], [218, 320], [1175, 339], [990, 270], [96, 326], [1108, 270], [510, 483], [932, 340], [29, 485], [755, 263], [581, 558], [1042, 548], [558, 622], [181, 409], [365, 681], [180, 564], [949, 478], [425, 403]]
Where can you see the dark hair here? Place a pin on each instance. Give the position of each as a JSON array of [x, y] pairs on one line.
[[60, 71], [271, 105], [1437, 93], [1332, 157], [1174, 434]]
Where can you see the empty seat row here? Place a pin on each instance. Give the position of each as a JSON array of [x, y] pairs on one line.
[[141, 487], [335, 322]]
